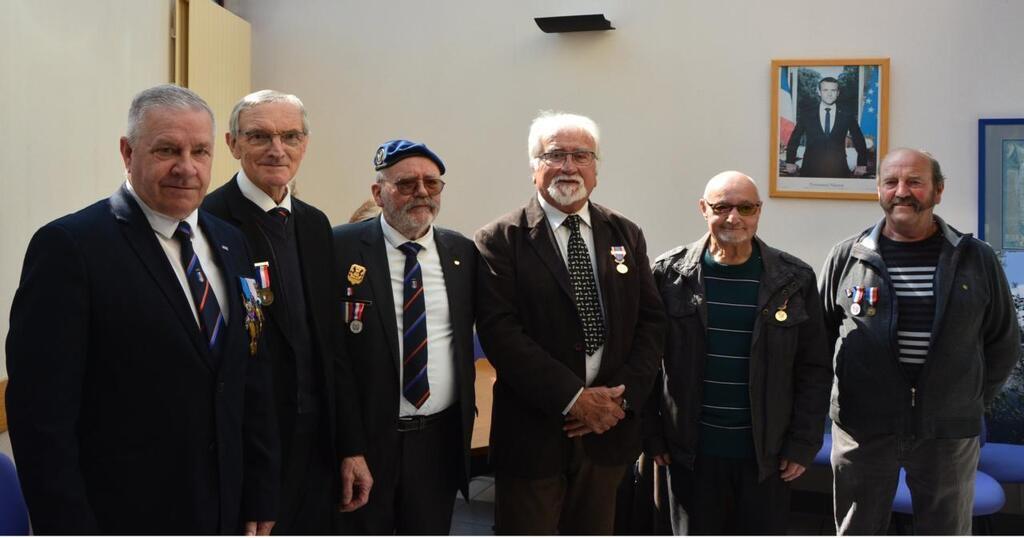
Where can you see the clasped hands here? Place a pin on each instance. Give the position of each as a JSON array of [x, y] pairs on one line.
[[597, 410]]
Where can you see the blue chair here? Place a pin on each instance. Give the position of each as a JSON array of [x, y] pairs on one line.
[[1002, 461], [824, 455], [989, 498], [13, 512]]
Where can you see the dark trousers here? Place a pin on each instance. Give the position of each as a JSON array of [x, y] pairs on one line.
[[415, 482], [724, 496], [580, 501], [940, 476], [308, 480]]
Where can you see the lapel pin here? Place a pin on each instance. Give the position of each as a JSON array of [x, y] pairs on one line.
[[457, 262], [225, 247]]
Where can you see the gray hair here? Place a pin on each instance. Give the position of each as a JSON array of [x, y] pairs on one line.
[[163, 96], [548, 123], [262, 97]]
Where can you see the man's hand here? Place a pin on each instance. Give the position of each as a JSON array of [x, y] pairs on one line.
[[791, 168], [258, 528], [860, 171], [597, 410], [356, 483], [790, 470], [663, 459]]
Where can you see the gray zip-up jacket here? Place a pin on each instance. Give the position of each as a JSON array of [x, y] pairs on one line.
[[789, 369], [975, 341]]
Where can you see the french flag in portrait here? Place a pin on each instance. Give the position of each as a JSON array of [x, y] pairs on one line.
[[787, 104]]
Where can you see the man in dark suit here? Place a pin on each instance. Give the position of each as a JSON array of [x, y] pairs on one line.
[[570, 317], [408, 305], [826, 127], [138, 393], [290, 241]]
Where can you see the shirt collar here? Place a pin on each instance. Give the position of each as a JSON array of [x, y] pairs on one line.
[[262, 200], [162, 224], [395, 238], [822, 105], [556, 216]]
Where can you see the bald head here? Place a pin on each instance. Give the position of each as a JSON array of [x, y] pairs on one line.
[[731, 206], [910, 153], [731, 181]]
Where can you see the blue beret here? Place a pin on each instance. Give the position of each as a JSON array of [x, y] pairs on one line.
[[393, 151]]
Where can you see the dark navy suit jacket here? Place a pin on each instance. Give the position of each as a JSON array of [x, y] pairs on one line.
[[121, 419]]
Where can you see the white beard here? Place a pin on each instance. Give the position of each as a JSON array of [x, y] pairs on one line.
[[566, 192]]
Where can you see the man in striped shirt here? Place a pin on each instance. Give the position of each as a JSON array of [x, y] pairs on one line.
[[745, 372], [927, 335]]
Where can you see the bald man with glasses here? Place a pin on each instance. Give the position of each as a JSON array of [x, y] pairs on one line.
[[746, 373]]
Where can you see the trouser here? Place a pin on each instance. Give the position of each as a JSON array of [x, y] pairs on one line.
[[415, 481], [308, 480], [724, 496], [579, 501], [940, 476]]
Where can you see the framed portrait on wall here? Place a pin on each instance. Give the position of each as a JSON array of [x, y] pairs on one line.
[[829, 124]]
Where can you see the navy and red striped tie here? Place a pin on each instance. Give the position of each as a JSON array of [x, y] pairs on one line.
[[415, 386], [211, 321]]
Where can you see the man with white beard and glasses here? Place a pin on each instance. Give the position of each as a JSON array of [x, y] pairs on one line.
[[927, 335], [408, 307], [568, 314], [742, 407]]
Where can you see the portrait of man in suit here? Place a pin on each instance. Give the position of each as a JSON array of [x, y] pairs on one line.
[[569, 315], [823, 128], [139, 391], [290, 242], [408, 296]]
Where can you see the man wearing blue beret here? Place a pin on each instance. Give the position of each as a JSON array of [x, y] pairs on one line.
[[408, 296]]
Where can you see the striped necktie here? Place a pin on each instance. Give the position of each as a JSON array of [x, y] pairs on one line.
[[281, 214], [415, 386], [211, 321]]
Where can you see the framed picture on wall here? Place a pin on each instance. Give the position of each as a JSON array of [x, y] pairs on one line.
[[1001, 224], [829, 124]]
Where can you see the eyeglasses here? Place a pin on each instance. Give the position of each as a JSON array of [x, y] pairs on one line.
[[432, 185], [745, 209], [581, 158], [261, 139]]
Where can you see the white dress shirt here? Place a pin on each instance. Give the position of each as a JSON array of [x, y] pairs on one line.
[[556, 217], [164, 228], [440, 354], [832, 117], [256, 195]]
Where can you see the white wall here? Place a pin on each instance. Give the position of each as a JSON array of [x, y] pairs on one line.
[[680, 90], [69, 70]]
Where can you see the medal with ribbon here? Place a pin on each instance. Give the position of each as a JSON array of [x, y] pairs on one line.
[[253, 312], [619, 253], [858, 296], [264, 292], [872, 299]]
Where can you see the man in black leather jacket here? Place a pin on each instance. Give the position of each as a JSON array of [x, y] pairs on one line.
[[745, 373]]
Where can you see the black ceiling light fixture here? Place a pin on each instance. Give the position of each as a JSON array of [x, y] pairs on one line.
[[574, 23]]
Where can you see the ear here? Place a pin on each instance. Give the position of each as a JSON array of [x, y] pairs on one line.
[[375, 191], [232, 142], [702, 206], [126, 153]]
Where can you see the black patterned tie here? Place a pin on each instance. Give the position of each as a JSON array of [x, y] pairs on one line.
[[415, 385], [828, 120], [211, 321], [581, 275]]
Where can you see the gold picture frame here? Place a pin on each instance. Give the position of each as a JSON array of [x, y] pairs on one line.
[[838, 110]]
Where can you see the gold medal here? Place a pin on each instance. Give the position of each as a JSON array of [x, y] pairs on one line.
[[621, 268], [781, 316], [871, 311], [356, 273]]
